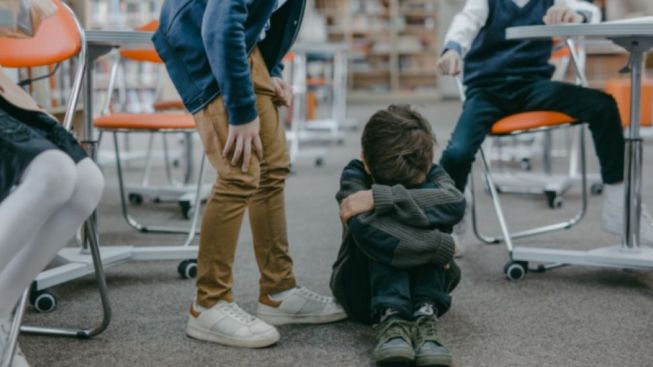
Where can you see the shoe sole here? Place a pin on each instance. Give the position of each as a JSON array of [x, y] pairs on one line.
[[394, 355], [440, 360], [211, 336], [297, 319]]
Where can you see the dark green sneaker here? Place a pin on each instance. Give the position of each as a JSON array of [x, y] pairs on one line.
[[393, 342], [429, 351]]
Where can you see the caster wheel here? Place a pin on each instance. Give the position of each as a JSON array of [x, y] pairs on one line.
[[553, 199], [187, 269], [341, 141], [319, 162], [516, 270], [176, 163], [43, 301], [526, 164], [136, 199], [186, 209], [596, 188]]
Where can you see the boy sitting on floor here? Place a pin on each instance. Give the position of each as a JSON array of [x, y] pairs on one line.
[[395, 264], [504, 77]]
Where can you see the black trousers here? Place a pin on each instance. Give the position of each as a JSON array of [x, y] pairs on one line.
[[403, 289], [489, 101]]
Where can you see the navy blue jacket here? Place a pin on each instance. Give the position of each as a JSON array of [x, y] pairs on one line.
[[205, 45]]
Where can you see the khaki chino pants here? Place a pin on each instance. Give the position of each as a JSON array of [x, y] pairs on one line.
[[260, 190]]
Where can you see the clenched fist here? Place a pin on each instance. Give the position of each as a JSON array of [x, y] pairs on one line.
[[450, 63]]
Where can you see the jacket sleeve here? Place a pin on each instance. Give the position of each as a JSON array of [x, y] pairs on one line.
[[436, 203], [223, 34], [353, 179], [387, 241], [277, 71]]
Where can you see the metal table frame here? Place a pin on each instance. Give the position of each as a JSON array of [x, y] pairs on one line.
[[637, 39]]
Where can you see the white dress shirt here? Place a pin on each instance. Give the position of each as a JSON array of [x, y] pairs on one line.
[[466, 24]]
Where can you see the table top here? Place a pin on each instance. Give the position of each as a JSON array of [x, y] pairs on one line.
[[605, 30], [119, 38]]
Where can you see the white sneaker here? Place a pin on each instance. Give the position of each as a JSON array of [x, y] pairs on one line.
[[19, 358], [612, 215], [5, 330], [227, 324], [299, 306]]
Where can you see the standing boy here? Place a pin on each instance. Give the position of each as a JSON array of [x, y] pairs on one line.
[[504, 77], [395, 265], [224, 58]]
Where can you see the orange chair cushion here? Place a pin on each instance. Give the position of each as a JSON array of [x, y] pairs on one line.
[[620, 90], [530, 120], [143, 55], [56, 40], [146, 121], [169, 105]]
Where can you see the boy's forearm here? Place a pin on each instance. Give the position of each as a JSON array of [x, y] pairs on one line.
[[223, 34], [398, 245]]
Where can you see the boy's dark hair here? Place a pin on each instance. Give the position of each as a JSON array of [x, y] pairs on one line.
[[398, 146]]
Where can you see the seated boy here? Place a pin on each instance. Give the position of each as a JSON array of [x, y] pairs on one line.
[[395, 264], [504, 77]]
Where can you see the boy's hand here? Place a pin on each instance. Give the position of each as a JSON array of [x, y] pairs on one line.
[[560, 14], [284, 92], [356, 203], [239, 144], [450, 63]]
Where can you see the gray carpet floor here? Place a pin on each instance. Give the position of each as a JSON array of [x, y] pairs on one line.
[[573, 316]]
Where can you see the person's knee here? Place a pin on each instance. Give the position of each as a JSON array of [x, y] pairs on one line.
[[457, 155], [52, 175], [274, 177], [239, 185], [88, 188]]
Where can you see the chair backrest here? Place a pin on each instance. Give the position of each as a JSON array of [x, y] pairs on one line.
[[57, 39], [143, 55]]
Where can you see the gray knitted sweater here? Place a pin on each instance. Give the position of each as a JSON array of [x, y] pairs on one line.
[[408, 227]]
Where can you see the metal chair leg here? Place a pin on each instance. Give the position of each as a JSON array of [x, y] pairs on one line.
[[538, 230], [192, 232], [7, 359], [90, 236], [123, 202]]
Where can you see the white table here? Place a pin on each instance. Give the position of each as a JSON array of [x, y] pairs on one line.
[[637, 39]]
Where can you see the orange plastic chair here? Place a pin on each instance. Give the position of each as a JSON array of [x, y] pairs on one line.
[[620, 90], [530, 122], [155, 122], [59, 38]]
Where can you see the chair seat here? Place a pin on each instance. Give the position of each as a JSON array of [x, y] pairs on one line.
[[173, 104], [146, 121], [521, 122]]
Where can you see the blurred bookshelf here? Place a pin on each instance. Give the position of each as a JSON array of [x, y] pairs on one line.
[[394, 45]]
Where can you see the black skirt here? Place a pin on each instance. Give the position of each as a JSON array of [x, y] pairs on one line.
[[23, 136]]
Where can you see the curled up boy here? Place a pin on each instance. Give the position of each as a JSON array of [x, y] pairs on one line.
[[395, 265]]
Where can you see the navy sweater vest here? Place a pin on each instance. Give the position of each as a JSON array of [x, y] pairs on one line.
[[491, 56]]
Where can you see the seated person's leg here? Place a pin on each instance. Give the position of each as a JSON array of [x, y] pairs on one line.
[[600, 112], [430, 287], [391, 304], [478, 116]]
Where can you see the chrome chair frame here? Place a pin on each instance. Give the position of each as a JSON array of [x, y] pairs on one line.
[[506, 236], [90, 236]]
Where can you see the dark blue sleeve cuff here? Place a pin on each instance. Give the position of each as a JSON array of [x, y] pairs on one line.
[[242, 115], [587, 16], [277, 70], [453, 45]]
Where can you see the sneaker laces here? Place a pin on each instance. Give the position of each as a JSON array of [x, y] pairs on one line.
[[314, 296], [233, 310], [426, 330]]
